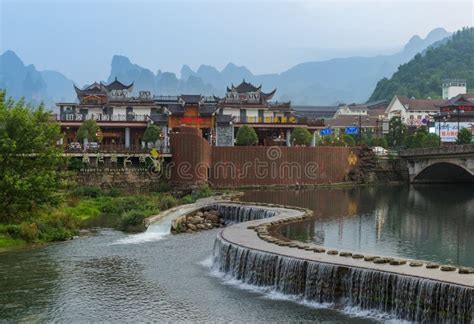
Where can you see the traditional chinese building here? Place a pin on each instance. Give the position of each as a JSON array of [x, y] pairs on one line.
[[122, 118], [247, 104]]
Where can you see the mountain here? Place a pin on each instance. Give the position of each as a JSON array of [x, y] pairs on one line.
[[422, 76], [35, 86], [164, 83], [350, 79]]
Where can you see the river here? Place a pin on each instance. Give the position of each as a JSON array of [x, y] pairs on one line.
[[152, 276]]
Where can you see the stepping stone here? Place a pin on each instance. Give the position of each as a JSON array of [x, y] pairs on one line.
[[432, 266], [448, 268]]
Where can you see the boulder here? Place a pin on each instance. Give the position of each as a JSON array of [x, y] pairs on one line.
[[191, 226], [196, 220]]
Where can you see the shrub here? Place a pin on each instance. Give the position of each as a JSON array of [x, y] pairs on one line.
[[87, 191], [113, 192], [301, 136], [246, 136], [133, 221], [464, 136], [28, 231], [152, 134], [163, 187], [188, 199], [167, 202]]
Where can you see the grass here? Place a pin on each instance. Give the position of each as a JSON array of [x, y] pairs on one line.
[[89, 207], [9, 243]]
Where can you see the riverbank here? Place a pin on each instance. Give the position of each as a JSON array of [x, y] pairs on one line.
[[91, 207]]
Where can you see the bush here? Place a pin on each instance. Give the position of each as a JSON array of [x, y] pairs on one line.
[[167, 202], [133, 221], [188, 199], [246, 136], [464, 136], [152, 134], [86, 191], [28, 232], [163, 187], [301, 136], [202, 192]]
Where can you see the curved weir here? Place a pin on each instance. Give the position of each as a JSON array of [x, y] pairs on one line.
[[247, 253]]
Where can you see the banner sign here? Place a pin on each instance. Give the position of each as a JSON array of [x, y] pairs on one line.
[[352, 130], [325, 131], [449, 130]]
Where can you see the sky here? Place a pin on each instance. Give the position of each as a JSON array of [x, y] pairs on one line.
[[79, 38]]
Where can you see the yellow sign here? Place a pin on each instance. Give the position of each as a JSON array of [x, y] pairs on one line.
[[352, 158], [154, 153]]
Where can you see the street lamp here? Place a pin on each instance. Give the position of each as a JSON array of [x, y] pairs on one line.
[[360, 128]]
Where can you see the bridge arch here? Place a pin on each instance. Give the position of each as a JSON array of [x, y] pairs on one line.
[[444, 172]]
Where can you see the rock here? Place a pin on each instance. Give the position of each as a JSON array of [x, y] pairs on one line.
[[189, 231], [416, 264], [191, 227], [447, 268], [369, 258], [332, 252], [212, 218], [381, 260], [345, 254], [199, 214], [397, 262], [432, 266], [357, 256], [465, 270], [196, 220]]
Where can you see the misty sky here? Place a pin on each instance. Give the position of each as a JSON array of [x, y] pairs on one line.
[[79, 38]]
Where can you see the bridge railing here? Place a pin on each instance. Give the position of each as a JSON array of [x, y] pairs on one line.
[[445, 150]]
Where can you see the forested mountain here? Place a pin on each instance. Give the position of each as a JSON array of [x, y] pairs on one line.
[[423, 75]]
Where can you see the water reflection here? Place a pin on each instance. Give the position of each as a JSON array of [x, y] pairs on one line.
[[423, 222]]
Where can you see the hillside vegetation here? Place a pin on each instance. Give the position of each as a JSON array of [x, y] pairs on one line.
[[422, 76]]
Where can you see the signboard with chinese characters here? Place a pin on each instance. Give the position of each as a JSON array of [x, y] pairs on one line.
[[325, 131], [449, 130], [352, 130]]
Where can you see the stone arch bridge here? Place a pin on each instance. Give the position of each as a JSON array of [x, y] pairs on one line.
[[441, 164]]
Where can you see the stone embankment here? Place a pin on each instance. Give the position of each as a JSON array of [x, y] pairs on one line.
[[203, 219]]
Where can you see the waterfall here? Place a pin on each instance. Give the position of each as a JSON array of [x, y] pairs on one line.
[[240, 213], [409, 298]]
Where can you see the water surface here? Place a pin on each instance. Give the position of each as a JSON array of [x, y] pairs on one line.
[[427, 222]]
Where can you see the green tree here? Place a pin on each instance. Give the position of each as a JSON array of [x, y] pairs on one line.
[[301, 136], [348, 140], [29, 159], [381, 141], [88, 130], [152, 134], [396, 132], [431, 140], [464, 136], [246, 136]]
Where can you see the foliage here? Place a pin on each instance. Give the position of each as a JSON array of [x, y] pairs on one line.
[[396, 132], [28, 232], [167, 202], [421, 138], [464, 136], [29, 160], [152, 134], [202, 192], [88, 130], [301, 136], [246, 136], [188, 199], [348, 139], [422, 77], [381, 141], [87, 191], [133, 221]]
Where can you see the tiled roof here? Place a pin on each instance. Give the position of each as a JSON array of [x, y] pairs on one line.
[[117, 85], [206, 110], [421, 104], [224, 119], [191, 99], [315, 112], [245, 87], [159, 119], [176, 109], [346, 120]]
